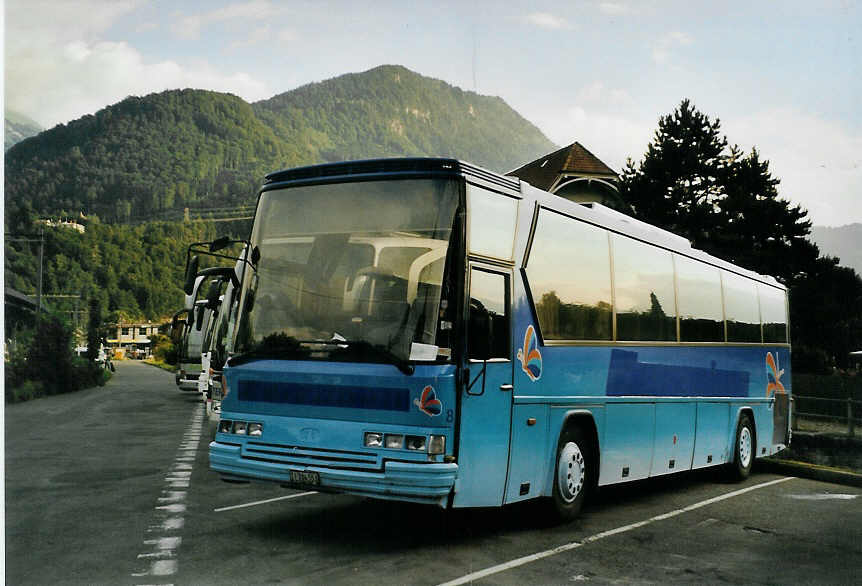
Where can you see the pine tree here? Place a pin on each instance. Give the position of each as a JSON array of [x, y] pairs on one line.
[[678, 184], [728, 204], [754, 227]]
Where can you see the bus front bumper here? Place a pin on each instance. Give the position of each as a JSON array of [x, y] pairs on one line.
[[189, 382], [427, 483]]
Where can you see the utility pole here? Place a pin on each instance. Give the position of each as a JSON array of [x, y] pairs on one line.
[[41, 241], [41, 252]]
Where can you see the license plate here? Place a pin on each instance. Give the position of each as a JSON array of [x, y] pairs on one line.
[[305, 478]]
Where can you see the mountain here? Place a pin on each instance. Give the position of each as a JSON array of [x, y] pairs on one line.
[[18, 127], [845, 242], [401, 113], [144, 156]]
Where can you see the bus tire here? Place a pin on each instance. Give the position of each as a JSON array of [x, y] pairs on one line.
[[572, 471], [744, 448]]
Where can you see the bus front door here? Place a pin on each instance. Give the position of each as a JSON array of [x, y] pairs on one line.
[[486, 398]]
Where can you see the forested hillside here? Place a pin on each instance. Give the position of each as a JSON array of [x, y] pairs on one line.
[[143, 155], [136, 270], [193, 148], [392, 111]]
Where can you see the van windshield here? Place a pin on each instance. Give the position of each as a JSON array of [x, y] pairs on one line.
[[348, 265]]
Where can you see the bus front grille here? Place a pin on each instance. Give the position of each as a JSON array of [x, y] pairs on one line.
[[306, 456]]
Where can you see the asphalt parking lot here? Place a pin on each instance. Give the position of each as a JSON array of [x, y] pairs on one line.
[[111, 486]]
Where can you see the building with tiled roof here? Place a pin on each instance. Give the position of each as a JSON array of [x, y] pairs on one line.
[[574, 173]]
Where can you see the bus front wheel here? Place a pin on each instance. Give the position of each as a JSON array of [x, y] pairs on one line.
[[571, 474], [744, 448]]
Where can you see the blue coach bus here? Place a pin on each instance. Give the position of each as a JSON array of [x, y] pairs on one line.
[[425, 330]]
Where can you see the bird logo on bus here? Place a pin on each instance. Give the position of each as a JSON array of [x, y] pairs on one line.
[[428, 402], [773, 375], [529, 355]]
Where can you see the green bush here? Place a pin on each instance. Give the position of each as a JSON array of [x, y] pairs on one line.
[[164, 350], [26, 391], [42, 363]]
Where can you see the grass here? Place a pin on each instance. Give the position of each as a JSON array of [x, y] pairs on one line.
[[161, 364]]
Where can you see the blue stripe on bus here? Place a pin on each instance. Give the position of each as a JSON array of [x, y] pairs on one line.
[[324, 395], [629, 377]]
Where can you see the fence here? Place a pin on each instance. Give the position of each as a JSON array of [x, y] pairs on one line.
[[847, 419], [831, 403]]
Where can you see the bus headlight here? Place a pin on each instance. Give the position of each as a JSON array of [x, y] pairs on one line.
[[394, 440], [373, 439], [225, 425], [255, 429], [415, 443], [240, 427], [437, 445]]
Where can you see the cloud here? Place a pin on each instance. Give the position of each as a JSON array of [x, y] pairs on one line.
[[94, 75], [189, 26], [548, 21], [27, 24], [146, 27], [614, 8], [61, 68], [598, 94], [265, 34], [818, 161], [603, 119], [662, 48]]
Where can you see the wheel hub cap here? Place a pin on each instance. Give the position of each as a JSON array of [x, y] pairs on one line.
[[570, 472], [745, 447]]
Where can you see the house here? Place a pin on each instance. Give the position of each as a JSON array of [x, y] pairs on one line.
[[65, 223], [132, 340], [576, 174]]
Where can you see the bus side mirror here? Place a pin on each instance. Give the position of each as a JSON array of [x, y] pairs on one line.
[[199, 323], [219, 243], [213, 294], [177, 328], [479, 332], [191, 273]]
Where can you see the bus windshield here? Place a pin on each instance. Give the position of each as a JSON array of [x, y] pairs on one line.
[[349, 271]]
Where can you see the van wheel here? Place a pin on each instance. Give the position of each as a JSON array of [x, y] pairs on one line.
[[572, 474], [744, 448]]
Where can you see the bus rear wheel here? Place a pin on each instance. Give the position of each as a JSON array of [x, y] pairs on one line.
[[744, 448], [571, 474]]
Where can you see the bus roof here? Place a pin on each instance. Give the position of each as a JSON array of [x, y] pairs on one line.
[[410, 166]]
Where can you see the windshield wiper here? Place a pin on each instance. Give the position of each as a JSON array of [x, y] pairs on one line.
[[365, 349], [280, 346], [272, 347]]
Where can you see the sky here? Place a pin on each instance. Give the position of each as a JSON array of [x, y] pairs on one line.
[[782, 76]]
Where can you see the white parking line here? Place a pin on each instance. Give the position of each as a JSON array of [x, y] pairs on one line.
[[576, 544], [279, 498], [169, 521], [823, 497]]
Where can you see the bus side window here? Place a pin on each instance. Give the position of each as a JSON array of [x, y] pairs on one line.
[[701, 318], [741, 311], [773, 311], [489, 315]]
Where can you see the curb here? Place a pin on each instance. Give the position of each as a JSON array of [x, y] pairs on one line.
[[812, 471]]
